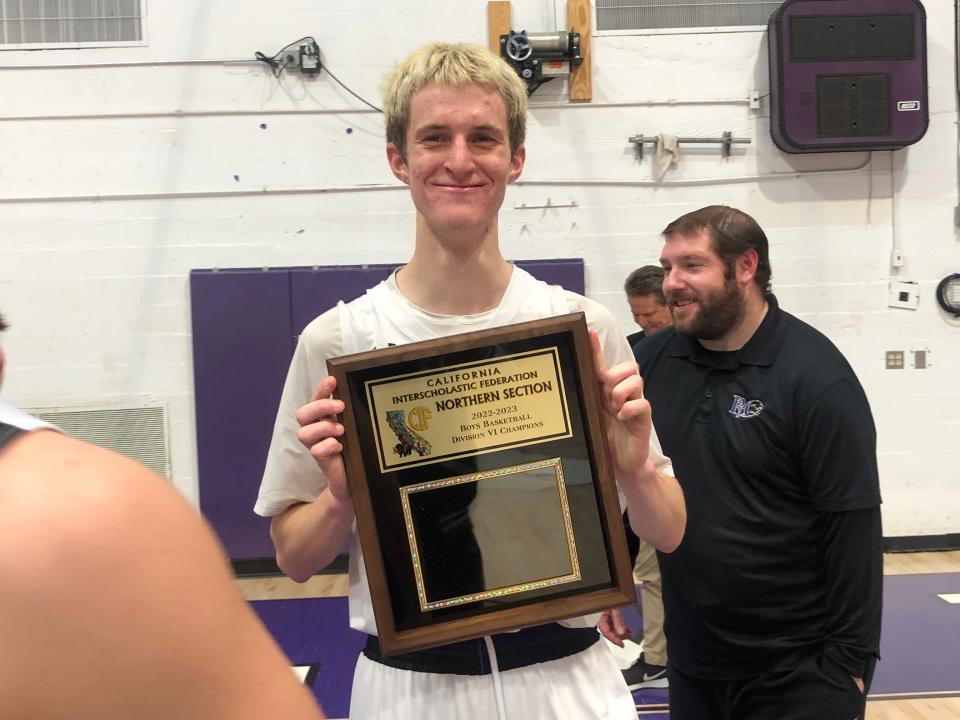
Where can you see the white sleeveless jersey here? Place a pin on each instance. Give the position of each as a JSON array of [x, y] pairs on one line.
[[381, 318]]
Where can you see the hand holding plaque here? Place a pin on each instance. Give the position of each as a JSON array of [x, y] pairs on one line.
[[622, 397], [482, 484], [319, 431]]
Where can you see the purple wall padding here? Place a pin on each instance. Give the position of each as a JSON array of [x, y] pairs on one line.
[[241, 349], [245, 325], [315, 290]]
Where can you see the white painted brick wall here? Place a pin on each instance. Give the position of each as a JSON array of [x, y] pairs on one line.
[[98, 290]]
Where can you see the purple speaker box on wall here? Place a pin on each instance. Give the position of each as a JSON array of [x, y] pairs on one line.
[[847, 75]]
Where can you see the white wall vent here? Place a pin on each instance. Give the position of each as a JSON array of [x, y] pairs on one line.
[[621, 15], [139, 433], [32, 24]]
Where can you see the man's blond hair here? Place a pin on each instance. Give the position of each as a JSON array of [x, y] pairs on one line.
[[452, 64]]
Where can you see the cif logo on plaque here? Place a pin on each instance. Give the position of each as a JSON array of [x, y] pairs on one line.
[[409, 440], [468, 409]]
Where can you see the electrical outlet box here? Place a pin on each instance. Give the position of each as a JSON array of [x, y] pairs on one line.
[[310, 58], [893, 360], [920, 358], [904, 294]]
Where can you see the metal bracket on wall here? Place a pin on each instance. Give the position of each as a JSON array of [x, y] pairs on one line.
[[548, 206], [725, 141]]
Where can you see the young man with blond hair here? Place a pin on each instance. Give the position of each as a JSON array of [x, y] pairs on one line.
[[455, 117]]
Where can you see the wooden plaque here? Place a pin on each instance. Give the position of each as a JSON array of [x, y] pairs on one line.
[[482, 483]]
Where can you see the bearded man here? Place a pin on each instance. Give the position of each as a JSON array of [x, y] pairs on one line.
[[773, 598]]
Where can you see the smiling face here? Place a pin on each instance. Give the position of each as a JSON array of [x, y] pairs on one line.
[[458, 161], [707, 299], [648, 312]]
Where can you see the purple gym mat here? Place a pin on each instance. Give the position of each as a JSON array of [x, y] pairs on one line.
[[920, 642], [316, 631], [920, 645]]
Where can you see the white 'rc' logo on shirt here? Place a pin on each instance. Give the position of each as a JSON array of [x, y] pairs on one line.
[[743, 408]]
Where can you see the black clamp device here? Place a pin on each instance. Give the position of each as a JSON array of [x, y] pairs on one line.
[[539, 57]]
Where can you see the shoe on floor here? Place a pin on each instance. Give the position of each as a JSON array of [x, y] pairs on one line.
[[645, 675]]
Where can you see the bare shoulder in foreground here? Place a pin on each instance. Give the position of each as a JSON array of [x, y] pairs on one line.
[[118, 601]]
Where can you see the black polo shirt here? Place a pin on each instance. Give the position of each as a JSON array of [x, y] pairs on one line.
[[767, 442]]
